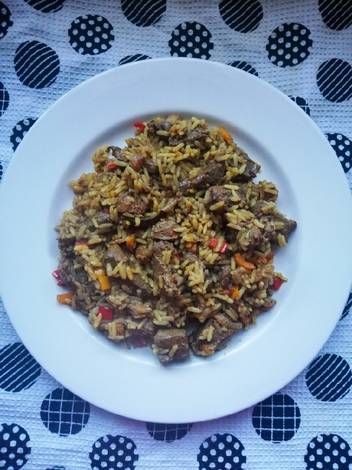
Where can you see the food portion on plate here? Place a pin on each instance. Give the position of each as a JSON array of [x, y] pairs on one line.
[[170, 241]]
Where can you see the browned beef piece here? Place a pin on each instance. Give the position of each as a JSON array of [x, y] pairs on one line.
[[216, 194], [171, 345], [197, 138], [143, 253], [136, 162], [221, 327], [156, 125], [270, 228], [211, 175], [128, 204], [165, 230], [143, 288], [140, 335], [250, 238], [224, 277], [117, 152], [151, 166], [251, 170]]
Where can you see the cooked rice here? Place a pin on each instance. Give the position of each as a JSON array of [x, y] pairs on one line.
[[170, 242]]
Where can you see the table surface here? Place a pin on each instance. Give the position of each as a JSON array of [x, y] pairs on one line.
[[303, 48]]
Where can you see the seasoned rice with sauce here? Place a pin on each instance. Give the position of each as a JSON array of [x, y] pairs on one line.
[[170, 241]]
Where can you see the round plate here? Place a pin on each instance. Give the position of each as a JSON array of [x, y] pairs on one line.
[[293, 153]]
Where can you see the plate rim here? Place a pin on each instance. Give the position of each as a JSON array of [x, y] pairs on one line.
[[117, 69]]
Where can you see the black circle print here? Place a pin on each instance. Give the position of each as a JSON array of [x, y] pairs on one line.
[[18, 369], [113, 453], [191, 39], [46, 6], [14, 446], [302, 103], [242, 16], [343, 149], [334, 79], [336, 14], [241, 64], [20, 130], [348, 305], [5, 20], [277, 418], [289, 44], [133, 58], [328, 452], [57, 467], [143, 13], [4, 99], [221, 452], [91, 34], [1, 170], [168, 432], [329, 377], [37, 65], [64, 413]]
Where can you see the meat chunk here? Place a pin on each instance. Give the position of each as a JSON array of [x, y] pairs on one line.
[[224, 277], [250, 238], [136, 162], [128, 204], [211, 175], [251, 170], [158, 128], [197, 138], [171, 345], [218, 194], [139, 334], [214, 334], [165, 230], [151, 166]]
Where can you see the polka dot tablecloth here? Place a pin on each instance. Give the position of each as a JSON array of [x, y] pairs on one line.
[[305, 49]]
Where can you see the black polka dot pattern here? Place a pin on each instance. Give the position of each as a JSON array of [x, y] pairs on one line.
[[347, 308], [64, 413], [242, 16], [168, 432], [113, 453], [334, 80], [277, 418], [30, 58], [18, 369], [46, 6], [336, 14], [328, 452], [242, 65], [91, 34], [289, 44], [1, 170], [14, 446], [4, 99], [20, 130], [302, 103], [221, 452], [143, 13], [329, 377], [343, 149], [133, 58], [5, 20], [56, 467], [191, 39]]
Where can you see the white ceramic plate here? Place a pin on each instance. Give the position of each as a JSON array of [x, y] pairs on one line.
[[293, 153]]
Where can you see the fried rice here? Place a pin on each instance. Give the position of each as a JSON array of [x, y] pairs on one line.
[[170, 242]]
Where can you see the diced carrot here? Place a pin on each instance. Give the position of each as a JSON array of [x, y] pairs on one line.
[[104, 281], [65, 299], [226, 135], [241, 261], [235, 293], [130, 242]]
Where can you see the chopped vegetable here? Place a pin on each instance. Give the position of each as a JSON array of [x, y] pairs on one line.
[[130, 242], [235, 293], [65, 299], [137, 162], [277, 283], [139, 125], [226, 135], [57, 274], [264, 259], [218, 245], [105, 312], [191, 247], [241, 261], [111, 166], [104, 281]]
